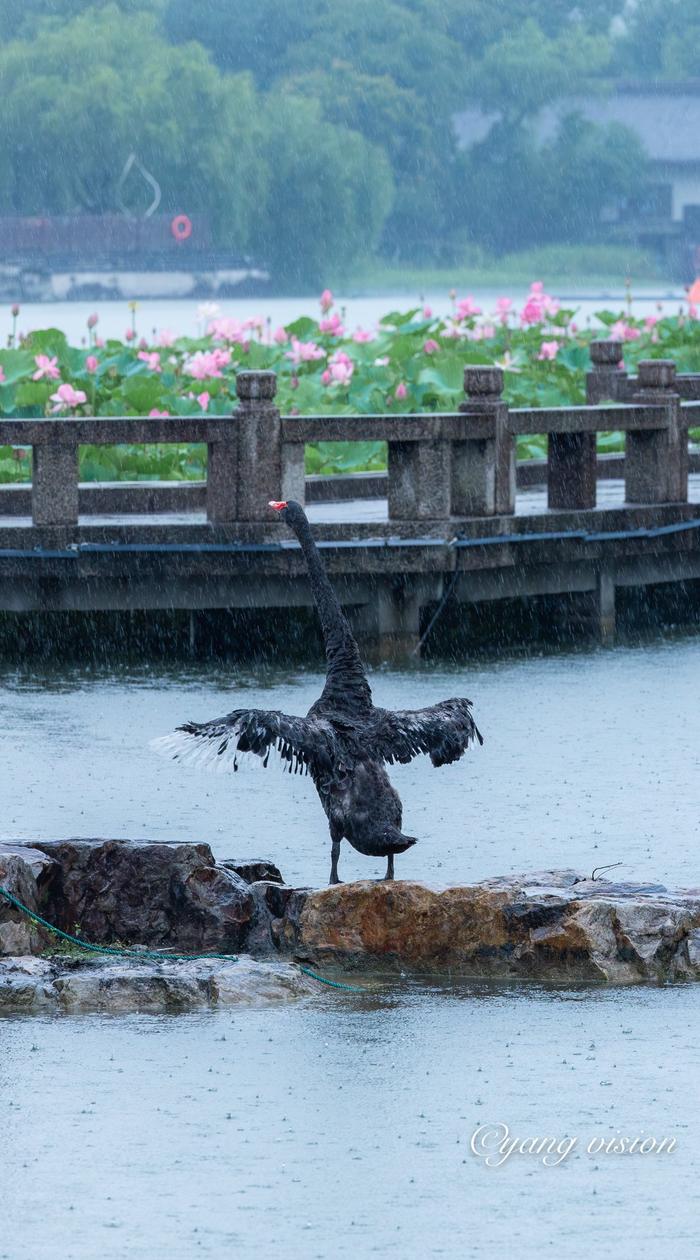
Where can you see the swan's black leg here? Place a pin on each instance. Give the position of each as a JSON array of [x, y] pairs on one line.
[[335, 854], [389, 867]]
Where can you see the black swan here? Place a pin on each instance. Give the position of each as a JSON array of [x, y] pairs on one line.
[[344, 741]]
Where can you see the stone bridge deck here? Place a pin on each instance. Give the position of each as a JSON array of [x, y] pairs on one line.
[[459, 520]]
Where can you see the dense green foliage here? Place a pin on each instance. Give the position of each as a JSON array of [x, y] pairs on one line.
[[315, 133], [412, 362]]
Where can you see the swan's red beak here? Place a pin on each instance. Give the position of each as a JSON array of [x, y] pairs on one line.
[[277, 504]]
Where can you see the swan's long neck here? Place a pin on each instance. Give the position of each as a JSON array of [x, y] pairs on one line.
[[346, 680]]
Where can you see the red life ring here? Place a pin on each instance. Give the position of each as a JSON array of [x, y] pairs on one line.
[[181, 227]]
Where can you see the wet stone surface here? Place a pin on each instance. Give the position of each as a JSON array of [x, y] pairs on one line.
[[73, 986], [547, 926]]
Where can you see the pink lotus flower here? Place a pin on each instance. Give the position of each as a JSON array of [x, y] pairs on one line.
[[2, 374], [14, 310], [129, 334], [91, 363], [650, 321], [382, 361], [230, 330], [622, 331], [548, 350], [206, 364], [692, 310], [467, 308], [46, 368], [431, 346], [503, 308], [326, 300], [151, 359], [66, 396], [304, 351], [332, 325], [203, 399], [538, 305], [427, 313], [340, 369], [255, 322], [93, 320], [166, 338], [280, 336], [341, 373], [400, 392], [362, 335], [155, 414]]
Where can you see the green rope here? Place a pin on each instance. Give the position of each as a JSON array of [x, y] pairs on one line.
[[333, 984], [123, 951], [120, 951]]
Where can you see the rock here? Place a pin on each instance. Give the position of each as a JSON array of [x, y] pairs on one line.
[[548, 925], [254, 870], [26, 873], [149, 894], [37, 985], [552, 925]]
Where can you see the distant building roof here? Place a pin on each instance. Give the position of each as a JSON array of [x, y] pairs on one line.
[[665, 116]]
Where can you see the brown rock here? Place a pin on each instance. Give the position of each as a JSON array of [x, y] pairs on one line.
[[254, 869], [551, 925], [149, 894]]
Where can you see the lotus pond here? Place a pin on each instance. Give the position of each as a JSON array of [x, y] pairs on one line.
[[408, 361]]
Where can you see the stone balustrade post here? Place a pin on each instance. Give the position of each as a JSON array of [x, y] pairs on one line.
[[483, 468], [245, 473], [55, 481], [571, 471], [259, 445], [607, 381], [656, 460], [418, 482], [294, 471]]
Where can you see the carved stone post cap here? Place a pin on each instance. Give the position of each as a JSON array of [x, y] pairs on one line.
[[606, 353], [256, 387], [483, 380], [656, 373]]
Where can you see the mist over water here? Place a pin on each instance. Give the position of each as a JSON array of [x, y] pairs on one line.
[[186, 317]]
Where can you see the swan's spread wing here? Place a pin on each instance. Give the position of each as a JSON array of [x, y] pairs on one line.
[[252, 736], [444, 731]]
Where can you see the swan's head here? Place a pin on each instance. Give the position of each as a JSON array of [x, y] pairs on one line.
[[291, 512]]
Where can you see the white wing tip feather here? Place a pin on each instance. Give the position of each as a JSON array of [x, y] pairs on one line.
[[202, 752]]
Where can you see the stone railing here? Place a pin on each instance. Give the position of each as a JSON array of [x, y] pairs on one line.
[[461, 464]]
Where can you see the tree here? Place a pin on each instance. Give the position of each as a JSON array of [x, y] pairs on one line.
[[397, 121], [70, 121], [329, 193], [519, 194], [661, 40]]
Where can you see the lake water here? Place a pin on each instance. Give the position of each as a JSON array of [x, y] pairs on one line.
[[182, 316], [341, 1126]]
